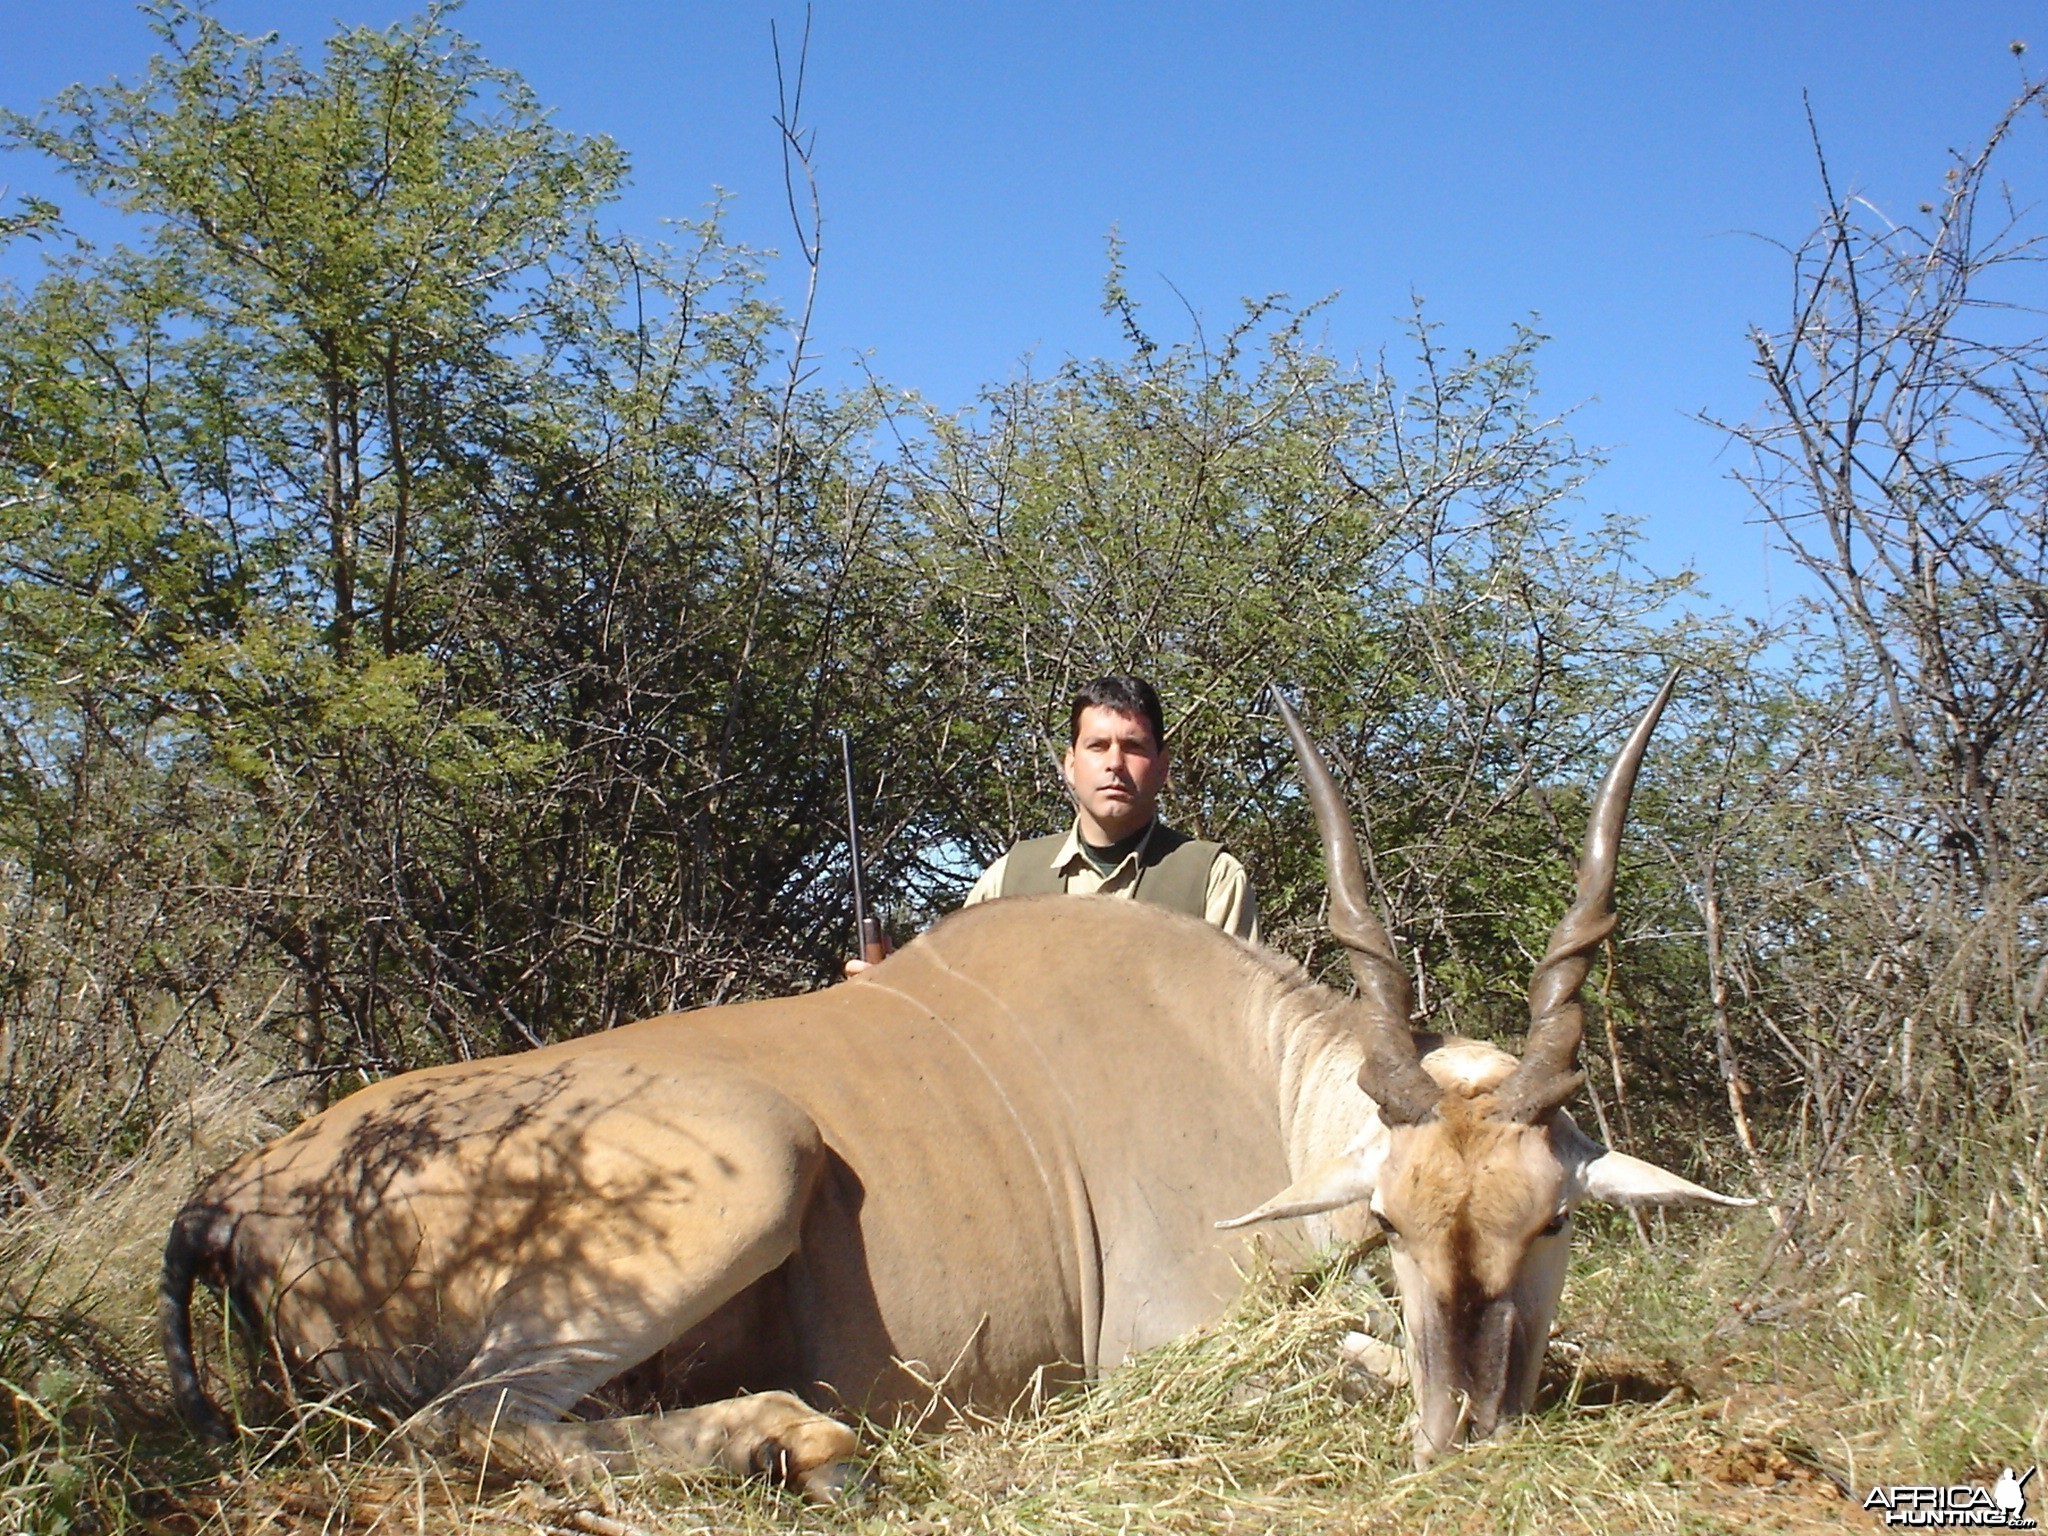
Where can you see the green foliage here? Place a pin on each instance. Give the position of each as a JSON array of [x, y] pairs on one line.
[[290, 374], [369, 373]]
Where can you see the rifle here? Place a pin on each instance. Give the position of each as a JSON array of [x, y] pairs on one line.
[[867, 930]]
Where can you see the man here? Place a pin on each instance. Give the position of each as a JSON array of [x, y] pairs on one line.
[[1115, 766]]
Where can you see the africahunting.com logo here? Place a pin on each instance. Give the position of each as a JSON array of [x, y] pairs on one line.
[[2003, 1504]]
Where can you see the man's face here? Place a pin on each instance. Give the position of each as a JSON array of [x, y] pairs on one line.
[[1116, 769]]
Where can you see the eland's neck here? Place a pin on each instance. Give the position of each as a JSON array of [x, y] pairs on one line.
[[1306, 1034]]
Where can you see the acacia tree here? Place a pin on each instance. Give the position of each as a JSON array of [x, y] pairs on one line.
[[285, 386], [336, 253]]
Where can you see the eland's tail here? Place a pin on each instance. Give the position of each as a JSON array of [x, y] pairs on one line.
[[196, 1250]]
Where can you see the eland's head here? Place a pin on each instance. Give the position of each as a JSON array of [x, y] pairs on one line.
[[1471, 1165]]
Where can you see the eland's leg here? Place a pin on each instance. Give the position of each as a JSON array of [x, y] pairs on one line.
[[1380, 1362], [712, 1210], [770, 1434], [1372, 1356]]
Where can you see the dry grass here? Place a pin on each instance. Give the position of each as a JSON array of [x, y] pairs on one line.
[[1251, 1426]]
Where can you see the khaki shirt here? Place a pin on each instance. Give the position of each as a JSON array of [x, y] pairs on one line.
[[1230, 904]]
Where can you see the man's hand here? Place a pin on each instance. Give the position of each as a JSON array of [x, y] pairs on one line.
[[855, 967]]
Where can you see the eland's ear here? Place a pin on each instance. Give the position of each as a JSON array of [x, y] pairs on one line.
[[1620, 1179], [1346, 1179]]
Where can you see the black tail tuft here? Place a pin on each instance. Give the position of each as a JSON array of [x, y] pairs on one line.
[[195, 1250]]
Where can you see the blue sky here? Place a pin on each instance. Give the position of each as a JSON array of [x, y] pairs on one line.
[[1600, 170]]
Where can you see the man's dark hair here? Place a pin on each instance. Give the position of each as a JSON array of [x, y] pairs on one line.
[[1126, 695]]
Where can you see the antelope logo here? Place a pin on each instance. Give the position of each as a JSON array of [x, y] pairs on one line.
[[2001, 1506]]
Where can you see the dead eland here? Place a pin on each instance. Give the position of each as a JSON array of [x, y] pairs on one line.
[[1017, 1148]]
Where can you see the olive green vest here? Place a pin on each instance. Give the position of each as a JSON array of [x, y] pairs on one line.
[[1173, 870]]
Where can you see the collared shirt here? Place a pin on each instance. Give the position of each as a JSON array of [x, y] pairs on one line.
[[1229, 903]]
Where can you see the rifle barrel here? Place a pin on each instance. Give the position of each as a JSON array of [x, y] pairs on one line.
[[867, 931]]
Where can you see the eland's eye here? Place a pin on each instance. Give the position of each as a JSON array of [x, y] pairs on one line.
[[1386, 1226], [1557, 1223]]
